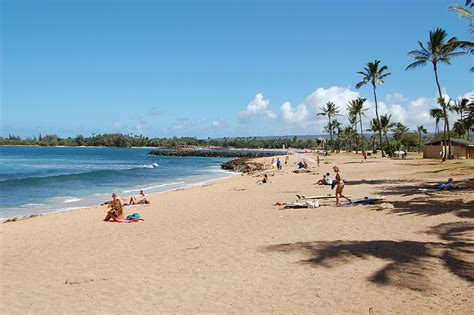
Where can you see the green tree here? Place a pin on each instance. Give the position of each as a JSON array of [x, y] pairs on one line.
[[437, 51], [330, 111], [399, 130], [385, 126], [461, 107], [374, 127], [420, 130], [356, 107], [374, 75], [437, 114]]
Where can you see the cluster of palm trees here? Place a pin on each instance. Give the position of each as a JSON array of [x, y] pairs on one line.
[[437, 50]]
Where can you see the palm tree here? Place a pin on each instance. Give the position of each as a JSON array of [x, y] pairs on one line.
[[459, 128], [374, 127], [385, 126], [399, 131], [356, 108], [374, 75], [420, 130], [347, 136], [330, 111], [437, 50], [336, 127], [352, 123], [437, 114], [460, 107]]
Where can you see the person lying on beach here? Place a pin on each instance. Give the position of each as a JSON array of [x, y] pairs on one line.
[[135, 201], [442, 186], [339, 187], [116, 209], [301, 165]]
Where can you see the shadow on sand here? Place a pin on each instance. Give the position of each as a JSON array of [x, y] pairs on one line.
[[410, 264]]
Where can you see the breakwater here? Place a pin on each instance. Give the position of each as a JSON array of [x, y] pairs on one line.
[[216, 153]]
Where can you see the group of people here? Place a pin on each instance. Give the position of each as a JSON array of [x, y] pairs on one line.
[[116, 205]]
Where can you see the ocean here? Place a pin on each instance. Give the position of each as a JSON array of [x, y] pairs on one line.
[[38, 180]]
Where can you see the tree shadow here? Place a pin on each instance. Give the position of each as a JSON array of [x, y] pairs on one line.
[[373, 181], [410, 264], [427, 207]]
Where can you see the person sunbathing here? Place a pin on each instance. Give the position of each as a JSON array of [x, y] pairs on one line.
[[135, 201], [326, 180], [116, 209]]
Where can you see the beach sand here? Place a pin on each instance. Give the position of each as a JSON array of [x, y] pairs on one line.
[[224, 247]]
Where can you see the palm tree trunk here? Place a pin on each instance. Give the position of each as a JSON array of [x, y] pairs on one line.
[[378, 119], [373, 142], [386, 139], [445, 114], [330, 133], [361, 135]]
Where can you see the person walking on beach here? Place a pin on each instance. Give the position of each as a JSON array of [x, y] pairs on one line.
[[286, 160], [339, 187], [116, 209], [278, 162], [317, 160]]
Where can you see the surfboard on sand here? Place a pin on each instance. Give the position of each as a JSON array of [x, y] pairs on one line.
[[318, 197]]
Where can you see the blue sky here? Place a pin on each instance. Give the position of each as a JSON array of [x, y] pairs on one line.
[[213, 68]]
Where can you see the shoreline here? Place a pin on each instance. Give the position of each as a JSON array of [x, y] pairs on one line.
[[184, 186]]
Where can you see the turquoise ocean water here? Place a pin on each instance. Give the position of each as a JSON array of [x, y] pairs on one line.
[[36, 180]]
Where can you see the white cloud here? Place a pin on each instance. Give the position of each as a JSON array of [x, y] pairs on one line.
[[257, 107], [216, 124], [187, 123], [395, 98], [291, 115]]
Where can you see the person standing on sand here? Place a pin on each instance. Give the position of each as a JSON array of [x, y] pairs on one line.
[[339, 187], [286, 160], [317, 159], [116, 209]]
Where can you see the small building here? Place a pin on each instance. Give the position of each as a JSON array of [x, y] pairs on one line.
[[461, 148]]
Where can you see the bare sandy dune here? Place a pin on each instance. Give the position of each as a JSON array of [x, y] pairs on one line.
[[224, 247]]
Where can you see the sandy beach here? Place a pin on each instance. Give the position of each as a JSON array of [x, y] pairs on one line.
[[225, 247]]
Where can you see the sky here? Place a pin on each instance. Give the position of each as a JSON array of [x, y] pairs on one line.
[[215, 68]]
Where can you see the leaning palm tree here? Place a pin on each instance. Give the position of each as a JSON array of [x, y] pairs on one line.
[[385, 126], [330, 111], [420, 130], [374, 75], [356, 108], [437, 51], [437, 114]]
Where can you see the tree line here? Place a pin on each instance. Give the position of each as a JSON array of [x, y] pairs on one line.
[[437, 50]]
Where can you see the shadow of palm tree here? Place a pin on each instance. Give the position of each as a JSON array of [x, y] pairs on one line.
[[430, 206], [410, 263]]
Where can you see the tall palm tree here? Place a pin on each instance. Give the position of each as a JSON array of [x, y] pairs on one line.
[[336, 127], [347, 136], [374, 127], [330, 111], [374, 75], [420, 130], [385, 126], [356, 108], [461, 107], [352, 123], [437, 51], [437, 114]]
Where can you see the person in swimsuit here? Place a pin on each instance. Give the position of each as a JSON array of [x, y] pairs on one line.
[[116, 209], [339, 186], [135, 201]]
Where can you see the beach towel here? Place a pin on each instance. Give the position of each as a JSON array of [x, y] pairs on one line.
[[128, 221], [303, 204]]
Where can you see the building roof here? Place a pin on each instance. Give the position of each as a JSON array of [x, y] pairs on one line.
[[467, 143]]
